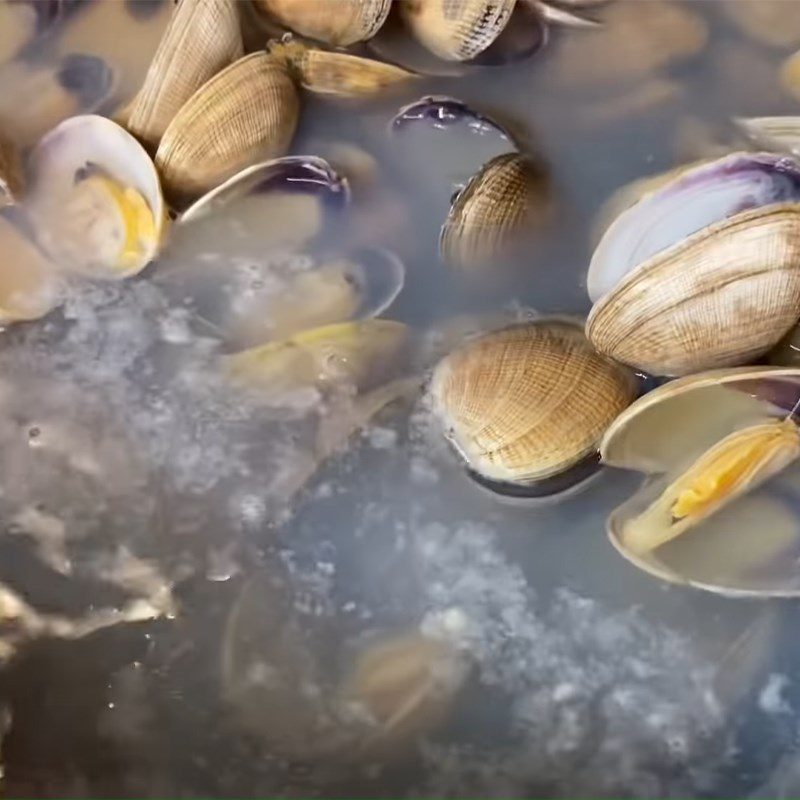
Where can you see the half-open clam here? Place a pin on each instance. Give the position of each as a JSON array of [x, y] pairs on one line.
[[95, 200], [202, 37], [526, 406], [720, 510], [340, 23], [703, 272], [203, 147]]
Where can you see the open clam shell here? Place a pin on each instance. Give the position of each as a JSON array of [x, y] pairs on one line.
[[507, 199], [95, 201], [201, 147], [703, 272], [202, 37], [339, 23], [442, 142], [526, 406], [750, 544], [248, 303]]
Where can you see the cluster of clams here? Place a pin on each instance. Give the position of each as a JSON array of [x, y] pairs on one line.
[[696, 276]]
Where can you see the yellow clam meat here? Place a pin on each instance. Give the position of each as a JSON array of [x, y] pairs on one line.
[[722, 448]]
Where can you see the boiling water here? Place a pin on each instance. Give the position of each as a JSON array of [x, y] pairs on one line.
[[140, 488]]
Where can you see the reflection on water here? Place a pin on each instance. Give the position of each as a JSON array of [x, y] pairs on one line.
[[320, 600]]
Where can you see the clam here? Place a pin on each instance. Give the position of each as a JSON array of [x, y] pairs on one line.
[[507, 199], [202, 147], [11, 180], [776, 133], [703, 272], [442, 142], [29, 284], [401, 688], [526, 406], [339, 74], [340, 23], [202, 37], [95, 200], [457, 30], [719, 509], [771, 22], [248, 303], [347, 354]]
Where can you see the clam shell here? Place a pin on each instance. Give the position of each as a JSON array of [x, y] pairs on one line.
[[776, 133], [29, 285], [677, 291], [748, 547], [76, 144], [11, 180], [340, 74], [457, 30], [201, 147], [528, 403], [508, 197], [202, 37], [340, 23]]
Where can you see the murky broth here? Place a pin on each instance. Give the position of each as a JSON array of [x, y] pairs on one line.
[[220, 588]]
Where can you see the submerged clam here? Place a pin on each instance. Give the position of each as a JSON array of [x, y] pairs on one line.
[[507, 199], [443, 142], [340, 23], [202, 37], [201, 147], [347, 354], [703, 272], [526, 406], [339, 74], [720, 509], [95, 200], [29, 285]]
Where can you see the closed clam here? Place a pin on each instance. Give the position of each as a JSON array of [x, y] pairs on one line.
[[11, 180], [202, 37], [506, 199], [460, 30], [339, 74], [340, 23], [95, 200], [718, 511], [704, 272], [202, 147], [526, 406]]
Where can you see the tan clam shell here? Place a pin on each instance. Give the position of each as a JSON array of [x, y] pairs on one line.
[[661, 434], [530, 401], [201, 147], [336, 22], [506, 198], [11, 180], [341, 74], [740, 295], [202, 37], [457, 30]]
